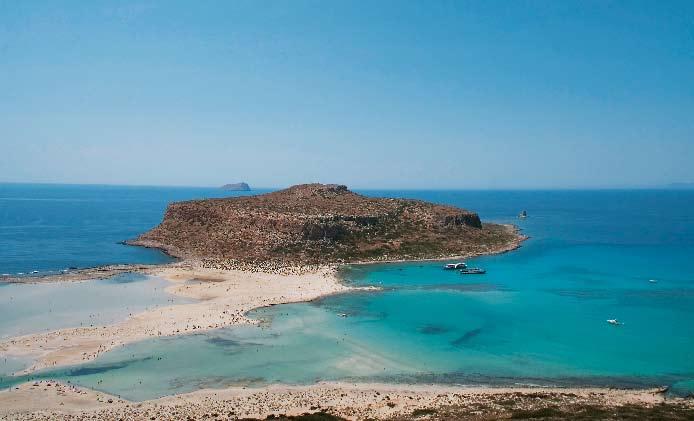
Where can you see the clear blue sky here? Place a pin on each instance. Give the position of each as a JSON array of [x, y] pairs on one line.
[[380, 94]]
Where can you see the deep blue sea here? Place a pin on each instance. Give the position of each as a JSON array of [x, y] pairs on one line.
[[51, 227], [539, 315]]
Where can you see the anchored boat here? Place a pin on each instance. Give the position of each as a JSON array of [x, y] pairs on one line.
[[452, 266]]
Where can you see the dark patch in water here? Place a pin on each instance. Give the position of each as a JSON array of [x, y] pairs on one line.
[[354, 298], [223, 342], [479, 287], [216, 382], [351, 304], [366, 315], [466, 337], [432, 329], [232, 346], [103, 368]]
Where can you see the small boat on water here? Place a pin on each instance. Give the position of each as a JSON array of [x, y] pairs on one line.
[[452, 266], [473, 271], [614, 322], [523, 215]]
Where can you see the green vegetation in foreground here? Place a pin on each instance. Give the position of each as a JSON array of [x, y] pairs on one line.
[[625, 412], [581, 412]]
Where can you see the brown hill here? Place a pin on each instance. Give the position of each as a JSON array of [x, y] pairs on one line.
[[316, 223]]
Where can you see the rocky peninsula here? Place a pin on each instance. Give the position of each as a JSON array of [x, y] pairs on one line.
[[323, 224]]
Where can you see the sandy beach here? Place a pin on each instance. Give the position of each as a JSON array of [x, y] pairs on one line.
[[224, 292], [223, 297], [48, 400]]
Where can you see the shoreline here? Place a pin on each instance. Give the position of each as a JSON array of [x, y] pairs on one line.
[[225, 296], [107, 271], [53, 400], [223, 299], [239, 287]]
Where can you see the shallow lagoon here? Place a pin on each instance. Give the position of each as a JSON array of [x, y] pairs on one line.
[[537, 317], [43, 307]]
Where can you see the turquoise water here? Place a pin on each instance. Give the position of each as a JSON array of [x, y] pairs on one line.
[[36, 308], [537, 317]]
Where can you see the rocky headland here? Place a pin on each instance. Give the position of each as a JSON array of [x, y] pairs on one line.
[[322, 224]]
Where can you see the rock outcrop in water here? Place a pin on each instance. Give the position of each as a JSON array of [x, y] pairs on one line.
[[317, 223], [236, 187]]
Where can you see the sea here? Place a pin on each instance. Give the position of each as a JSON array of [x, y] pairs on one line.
[[538, 317]]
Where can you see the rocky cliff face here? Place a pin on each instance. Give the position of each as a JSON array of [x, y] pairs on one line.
[[316, 223]]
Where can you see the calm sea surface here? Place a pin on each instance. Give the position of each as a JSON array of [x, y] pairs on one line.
[[47, 227], [537, 317]]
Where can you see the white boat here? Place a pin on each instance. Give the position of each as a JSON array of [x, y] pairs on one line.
[[653, 281], [452, 266], [614, 322]]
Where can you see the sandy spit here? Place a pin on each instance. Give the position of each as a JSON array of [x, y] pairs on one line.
[[225, 296]]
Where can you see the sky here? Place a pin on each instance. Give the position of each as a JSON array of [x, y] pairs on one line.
[[372, 94]]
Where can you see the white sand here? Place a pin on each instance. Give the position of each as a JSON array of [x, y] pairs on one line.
[[225, 297]]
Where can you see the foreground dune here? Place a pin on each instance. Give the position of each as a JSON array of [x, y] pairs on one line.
[[53, 401]]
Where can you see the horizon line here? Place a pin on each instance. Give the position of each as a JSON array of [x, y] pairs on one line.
[[668, 186]]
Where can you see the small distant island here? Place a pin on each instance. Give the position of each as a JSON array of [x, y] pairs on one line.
[[236, 187], [323, 224]]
